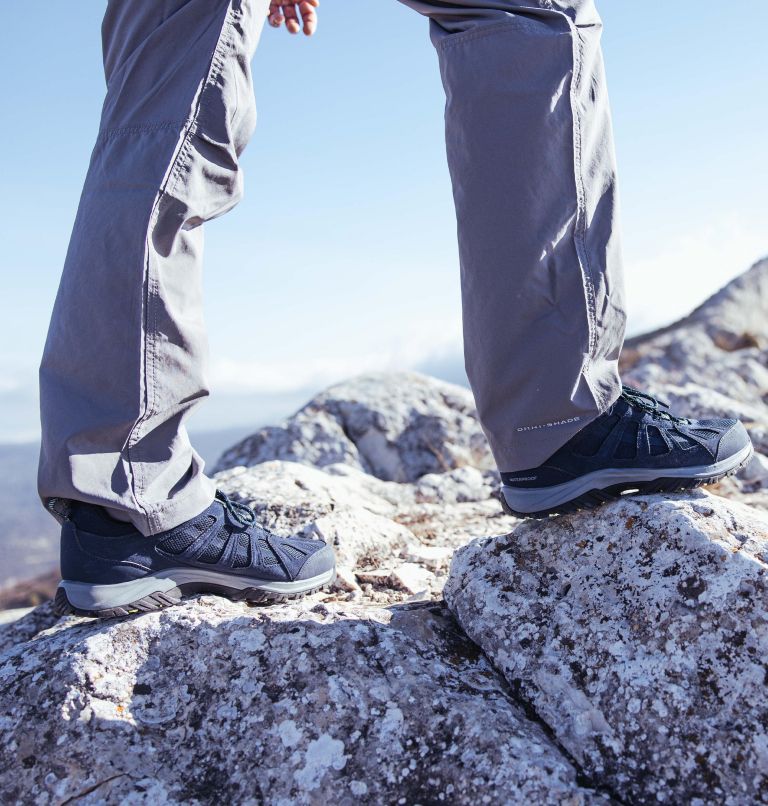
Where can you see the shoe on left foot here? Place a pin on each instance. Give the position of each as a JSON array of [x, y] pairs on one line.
[[110, 569], [637, 446]]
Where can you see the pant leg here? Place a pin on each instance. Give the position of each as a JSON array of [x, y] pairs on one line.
[[125, 358], [531, 157]]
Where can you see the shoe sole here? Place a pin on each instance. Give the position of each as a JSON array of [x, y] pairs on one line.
[[167, 588], [594, 489]]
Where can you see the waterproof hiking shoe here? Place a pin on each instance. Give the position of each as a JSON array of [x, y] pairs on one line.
[[110, 569], [637, 446]]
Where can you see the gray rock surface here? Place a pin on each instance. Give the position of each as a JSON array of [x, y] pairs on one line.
[[213, 702], [396, 426], [639, 634], [21, 624]]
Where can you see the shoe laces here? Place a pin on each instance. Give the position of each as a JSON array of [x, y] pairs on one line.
[[240, 513], [649, 403]]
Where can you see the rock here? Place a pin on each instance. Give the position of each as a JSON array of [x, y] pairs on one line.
[[412, 578], [462, 485], [714, 362], [639, 634], [375, 526], [750, 485], [10, 617], [735, 317], [756, 471], [22, 624], [409, 577], [432, 557], [396, 426], [346, 579], [214, 702]]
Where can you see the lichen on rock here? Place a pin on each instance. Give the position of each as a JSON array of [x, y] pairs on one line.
[[214, 702], [639, 634]]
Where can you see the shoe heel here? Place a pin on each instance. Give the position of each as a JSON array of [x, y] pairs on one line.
[[109, 601]]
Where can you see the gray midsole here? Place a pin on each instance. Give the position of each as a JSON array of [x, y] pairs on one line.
[[101, 597], [543, 498]]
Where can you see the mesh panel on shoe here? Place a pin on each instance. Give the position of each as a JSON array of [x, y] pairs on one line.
[[268, 556], [182, 539], [242, 556], [704, 433], [214, 548], [292, 551], [657, 445], [716, 425], [591, 438], [627, 447], [683, 440]]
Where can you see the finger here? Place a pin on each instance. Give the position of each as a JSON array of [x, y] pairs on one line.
[[275, 15], [308, 15], [291, 18]]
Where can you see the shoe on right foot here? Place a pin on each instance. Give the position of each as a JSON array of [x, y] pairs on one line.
[[637, 446], [110, 569]]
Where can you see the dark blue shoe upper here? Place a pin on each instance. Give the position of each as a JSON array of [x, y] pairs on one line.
[[637, 431], [225, 538]]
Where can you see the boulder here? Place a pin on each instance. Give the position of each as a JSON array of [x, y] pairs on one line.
[[639, 634], [214, 702], [395, 426]]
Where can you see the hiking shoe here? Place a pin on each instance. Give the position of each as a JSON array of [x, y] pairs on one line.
[[637, 446], [110, 569]]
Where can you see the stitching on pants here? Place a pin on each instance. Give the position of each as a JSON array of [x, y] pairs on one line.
[[108, 134], [580, 231], [179, 163]]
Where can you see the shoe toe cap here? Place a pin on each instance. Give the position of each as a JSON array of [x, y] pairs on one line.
[[319, 562], [734, 440]]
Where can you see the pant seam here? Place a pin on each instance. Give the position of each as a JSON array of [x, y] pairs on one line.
[[223, 45], [139, 128], [580, 228], [178, 164]]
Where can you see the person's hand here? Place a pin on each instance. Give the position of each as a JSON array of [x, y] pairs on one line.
[[288, 12]]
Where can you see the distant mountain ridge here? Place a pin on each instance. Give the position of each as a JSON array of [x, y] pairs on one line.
[[29, 537]]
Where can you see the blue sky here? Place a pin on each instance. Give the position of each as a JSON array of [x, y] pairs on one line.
[[342, 257]]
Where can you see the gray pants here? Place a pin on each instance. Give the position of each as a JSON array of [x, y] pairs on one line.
[[531, 158]]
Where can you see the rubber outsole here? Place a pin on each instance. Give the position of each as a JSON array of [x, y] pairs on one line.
[[597, 497], [161, 600]]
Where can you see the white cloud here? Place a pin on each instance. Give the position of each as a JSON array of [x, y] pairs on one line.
[[10, 384], [422, 347]]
